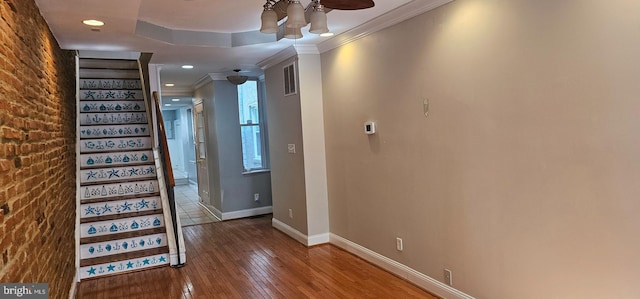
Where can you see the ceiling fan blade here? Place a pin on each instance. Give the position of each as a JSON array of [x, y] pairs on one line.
[[348, 4]]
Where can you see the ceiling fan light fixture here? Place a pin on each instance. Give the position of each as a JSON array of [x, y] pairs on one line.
[[318, 20], [269, 19], [237, 79], [292, 33], [295, 15]]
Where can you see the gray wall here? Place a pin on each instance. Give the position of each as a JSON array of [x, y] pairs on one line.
[[287, 170], [524, 179], [237, 188]]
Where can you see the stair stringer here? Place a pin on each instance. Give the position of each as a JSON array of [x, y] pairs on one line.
[[175, 258]]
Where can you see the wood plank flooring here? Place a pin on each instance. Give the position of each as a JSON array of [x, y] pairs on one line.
[[247, 258]]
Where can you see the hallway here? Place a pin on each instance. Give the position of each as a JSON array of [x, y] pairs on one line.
[[247, 258], [189, 210]]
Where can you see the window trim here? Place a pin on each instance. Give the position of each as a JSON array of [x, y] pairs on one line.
[[261, 124]]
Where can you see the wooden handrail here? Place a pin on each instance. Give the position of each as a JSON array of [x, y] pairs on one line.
[[162, 136]]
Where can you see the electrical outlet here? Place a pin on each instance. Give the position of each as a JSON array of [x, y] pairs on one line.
[[399, 245], [291, 213], [291, 148], [256, 196], [448, 277]]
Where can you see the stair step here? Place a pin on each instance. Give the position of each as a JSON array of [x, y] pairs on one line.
[[99, 63], [112, 106], [96, 94], [114, 131], [124, 266], [88, 73], [94, 160], [143, 204], [101, 228], [109, 84], [117, 174], [117, 198], [115, 144], [123, 256], [120, 246], [121, 236], [113, 118], [119, 216], [138, 188]]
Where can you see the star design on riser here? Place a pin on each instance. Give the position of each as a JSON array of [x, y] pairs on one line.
[[162, 259], [90, 94], [145, 262], [129, 265], [111, 268], [92, 271]]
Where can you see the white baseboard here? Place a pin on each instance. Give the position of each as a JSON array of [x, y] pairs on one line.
[[421, 280], [246, 213], [298, 236], [288, 230]]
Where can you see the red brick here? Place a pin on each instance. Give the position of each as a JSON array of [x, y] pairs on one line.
[[36, 82]]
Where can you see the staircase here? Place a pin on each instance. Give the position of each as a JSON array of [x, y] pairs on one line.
[[121, 217]]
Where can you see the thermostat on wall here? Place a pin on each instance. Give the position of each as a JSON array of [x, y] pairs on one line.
[[370, 127]]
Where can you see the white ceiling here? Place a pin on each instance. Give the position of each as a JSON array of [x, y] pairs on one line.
[[181, 32]]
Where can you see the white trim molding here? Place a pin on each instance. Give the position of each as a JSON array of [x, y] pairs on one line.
[[74, 286], [281, 56], [298, 236], [421, 280], [246, 213], [389, 19]]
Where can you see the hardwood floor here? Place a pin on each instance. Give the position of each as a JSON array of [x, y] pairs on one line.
[[247, 258]]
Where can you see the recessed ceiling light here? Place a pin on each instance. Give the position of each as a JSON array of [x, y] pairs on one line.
[[95, 23], [167, 104], [186, 66], [326, 34], [169, 85], [176, 100]]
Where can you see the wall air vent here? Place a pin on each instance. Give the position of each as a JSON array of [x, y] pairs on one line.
[[290, 80]]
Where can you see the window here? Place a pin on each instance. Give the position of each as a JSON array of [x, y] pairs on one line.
[[251, 127], [289, 80]]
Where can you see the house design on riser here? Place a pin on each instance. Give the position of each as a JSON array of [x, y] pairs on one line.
[[122, 217]]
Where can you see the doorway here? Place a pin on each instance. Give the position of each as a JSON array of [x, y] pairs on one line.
[[179, 121]]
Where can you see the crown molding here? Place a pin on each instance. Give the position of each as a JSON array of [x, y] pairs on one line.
[[402, 13], [203, 81], [281, 56], [306, 49]]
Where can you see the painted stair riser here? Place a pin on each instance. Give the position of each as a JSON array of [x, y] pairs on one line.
[[119, 189], [109, 74], [116, 118], [115, 144], [101, 249], [115, 159], [96, 94], [124, 63], [110, 208], [112, 106], [105, 175], [124, 266], [101, 228], [109, 84], [113, 131]]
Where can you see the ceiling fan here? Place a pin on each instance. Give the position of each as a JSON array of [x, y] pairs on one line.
[[298, 16], [348, 4]]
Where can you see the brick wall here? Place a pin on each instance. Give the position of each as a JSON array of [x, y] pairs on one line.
[[37, 151]]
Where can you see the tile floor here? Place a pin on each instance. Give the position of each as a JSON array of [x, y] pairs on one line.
[[189, 210]]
